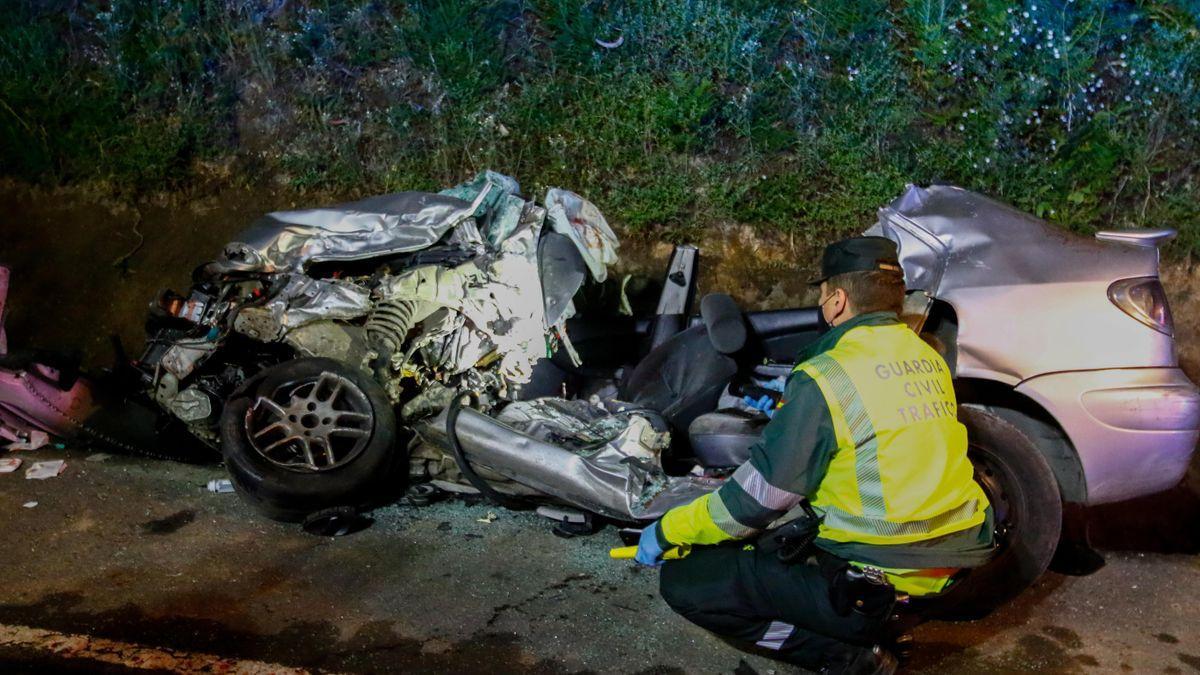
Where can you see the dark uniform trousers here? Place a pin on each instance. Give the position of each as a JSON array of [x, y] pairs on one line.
[[748, 596]]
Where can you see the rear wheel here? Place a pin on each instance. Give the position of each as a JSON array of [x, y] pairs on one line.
[[1026, 510], [310, 434]]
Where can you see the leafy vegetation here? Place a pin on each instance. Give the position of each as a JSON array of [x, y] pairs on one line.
[[671, 114]]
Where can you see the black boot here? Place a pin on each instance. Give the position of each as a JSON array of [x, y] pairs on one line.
[[866, 661]]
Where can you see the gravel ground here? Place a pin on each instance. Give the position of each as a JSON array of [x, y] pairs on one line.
[[136, 550]]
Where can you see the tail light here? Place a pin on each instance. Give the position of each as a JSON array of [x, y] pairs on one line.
[[1143, 298]]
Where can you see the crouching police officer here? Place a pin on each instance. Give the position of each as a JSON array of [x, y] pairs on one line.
[[866, 440]]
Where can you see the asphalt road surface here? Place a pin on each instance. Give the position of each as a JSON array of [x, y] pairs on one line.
[[127, 565]]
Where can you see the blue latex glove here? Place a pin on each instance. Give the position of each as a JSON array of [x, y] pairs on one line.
[[765, 404], [649, 553]]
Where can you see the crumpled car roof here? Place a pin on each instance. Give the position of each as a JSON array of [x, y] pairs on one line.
[[288, 241], [386, 224]]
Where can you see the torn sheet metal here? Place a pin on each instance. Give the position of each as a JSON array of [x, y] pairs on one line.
[[487, 189], [619, 477], [303, 300], [500, 205], [579, 219], [387, 224], [500, 298], [579, 426], [952, 239], [463, 308], [1013, 279], [330, 339]]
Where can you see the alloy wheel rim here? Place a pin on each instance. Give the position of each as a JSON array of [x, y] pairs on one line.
[[311, 425], [990, 473]]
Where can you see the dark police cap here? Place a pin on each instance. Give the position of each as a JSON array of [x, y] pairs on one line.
[[858, 254]]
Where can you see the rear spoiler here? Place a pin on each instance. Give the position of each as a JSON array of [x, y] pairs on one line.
[[1143, 238]]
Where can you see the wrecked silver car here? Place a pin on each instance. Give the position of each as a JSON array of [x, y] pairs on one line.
[[334, 354]]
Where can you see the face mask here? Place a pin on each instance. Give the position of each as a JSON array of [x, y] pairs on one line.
[[823, 325]]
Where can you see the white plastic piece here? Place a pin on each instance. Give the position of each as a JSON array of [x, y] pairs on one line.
[[220, 485], [44, 470]]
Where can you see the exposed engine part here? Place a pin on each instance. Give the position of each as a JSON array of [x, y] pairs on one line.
[[437, 295], [167, 389], [432, 400], [192, 308], [257, 323], [482, 384], [191, 405], [183, 357], [329, 339], [389, 324]]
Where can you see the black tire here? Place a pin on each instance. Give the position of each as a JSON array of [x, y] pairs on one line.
[[367, 478], [1027, 510]]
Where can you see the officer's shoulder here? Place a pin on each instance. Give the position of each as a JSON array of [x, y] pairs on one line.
[[800, 379]]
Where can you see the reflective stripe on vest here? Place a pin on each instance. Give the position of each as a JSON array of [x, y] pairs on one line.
[[900, 473]]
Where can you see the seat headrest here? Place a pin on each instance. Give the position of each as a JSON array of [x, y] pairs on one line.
[[723, 318]]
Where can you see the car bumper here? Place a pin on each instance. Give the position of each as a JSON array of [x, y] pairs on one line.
[[1134, 429]]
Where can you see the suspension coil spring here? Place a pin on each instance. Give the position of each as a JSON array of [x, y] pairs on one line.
[[389, 324]]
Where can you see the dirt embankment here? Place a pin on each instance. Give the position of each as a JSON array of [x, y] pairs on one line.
[[85, 268]]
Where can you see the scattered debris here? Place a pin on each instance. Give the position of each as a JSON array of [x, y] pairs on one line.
[[611, 44], [44, 470], [336, 522], [32, 440], [454, 488], [220, 485], [562, 514], [9, 464], [423, 494], [29, 505]]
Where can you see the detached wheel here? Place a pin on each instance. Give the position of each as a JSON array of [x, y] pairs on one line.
[[1026, 512], [307, 435]]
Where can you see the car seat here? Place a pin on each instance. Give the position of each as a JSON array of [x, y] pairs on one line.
[[683, 377]]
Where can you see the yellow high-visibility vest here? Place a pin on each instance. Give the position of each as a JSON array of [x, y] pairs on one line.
[[900, 472]]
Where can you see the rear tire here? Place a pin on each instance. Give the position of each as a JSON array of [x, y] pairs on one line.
[[363, 470], [1027, 517]]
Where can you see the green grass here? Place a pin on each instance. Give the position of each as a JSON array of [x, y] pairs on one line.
[[803, 117]]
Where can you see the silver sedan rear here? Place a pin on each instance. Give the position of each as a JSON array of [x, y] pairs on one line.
[[1072, 332]]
